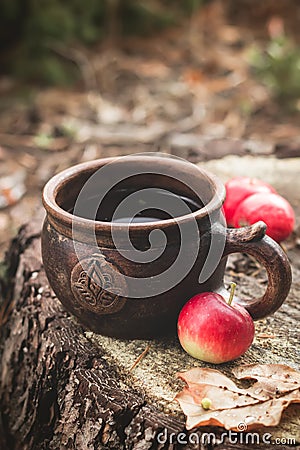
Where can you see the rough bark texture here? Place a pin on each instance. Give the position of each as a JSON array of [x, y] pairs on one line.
[[65, 388]]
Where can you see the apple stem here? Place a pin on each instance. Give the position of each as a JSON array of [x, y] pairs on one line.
[[232, 290]]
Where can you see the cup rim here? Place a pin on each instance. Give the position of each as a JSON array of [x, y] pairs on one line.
[[60, 216]]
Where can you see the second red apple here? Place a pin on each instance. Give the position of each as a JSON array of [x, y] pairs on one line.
[[273, 209], [237, 190]]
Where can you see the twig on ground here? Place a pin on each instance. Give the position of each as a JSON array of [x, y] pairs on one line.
[[140, 357]]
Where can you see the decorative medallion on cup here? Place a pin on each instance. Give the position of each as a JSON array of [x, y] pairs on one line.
[[98, 285]]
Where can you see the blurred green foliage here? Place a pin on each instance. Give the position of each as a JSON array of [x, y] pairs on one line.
[[31, 29], [278, 67]]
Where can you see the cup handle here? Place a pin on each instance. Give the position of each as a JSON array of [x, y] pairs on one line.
[[252, 240]]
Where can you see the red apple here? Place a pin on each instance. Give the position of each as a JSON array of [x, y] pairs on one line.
[[237, 190], [273, 209], [214, 331]]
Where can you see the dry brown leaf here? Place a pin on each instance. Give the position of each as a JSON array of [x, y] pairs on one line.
[[279, 372], [272, 379], [213, 377], [223, 398], [276, 387], [208, 376], [197, 79]]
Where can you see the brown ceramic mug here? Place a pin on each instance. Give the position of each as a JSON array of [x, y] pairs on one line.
[[127, 241]]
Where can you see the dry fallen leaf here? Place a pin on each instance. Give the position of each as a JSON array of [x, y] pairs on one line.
[[273, 379], [276, 387], [12, 188]]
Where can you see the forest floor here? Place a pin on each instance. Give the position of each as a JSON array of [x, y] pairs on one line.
[[188, 91]]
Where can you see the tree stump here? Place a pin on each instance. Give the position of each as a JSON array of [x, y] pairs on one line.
[[63, 387]]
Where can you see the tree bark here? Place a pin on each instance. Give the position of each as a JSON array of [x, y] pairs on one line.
[[61, 390]]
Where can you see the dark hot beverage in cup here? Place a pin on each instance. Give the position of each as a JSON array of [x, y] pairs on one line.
[[128, 241]]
